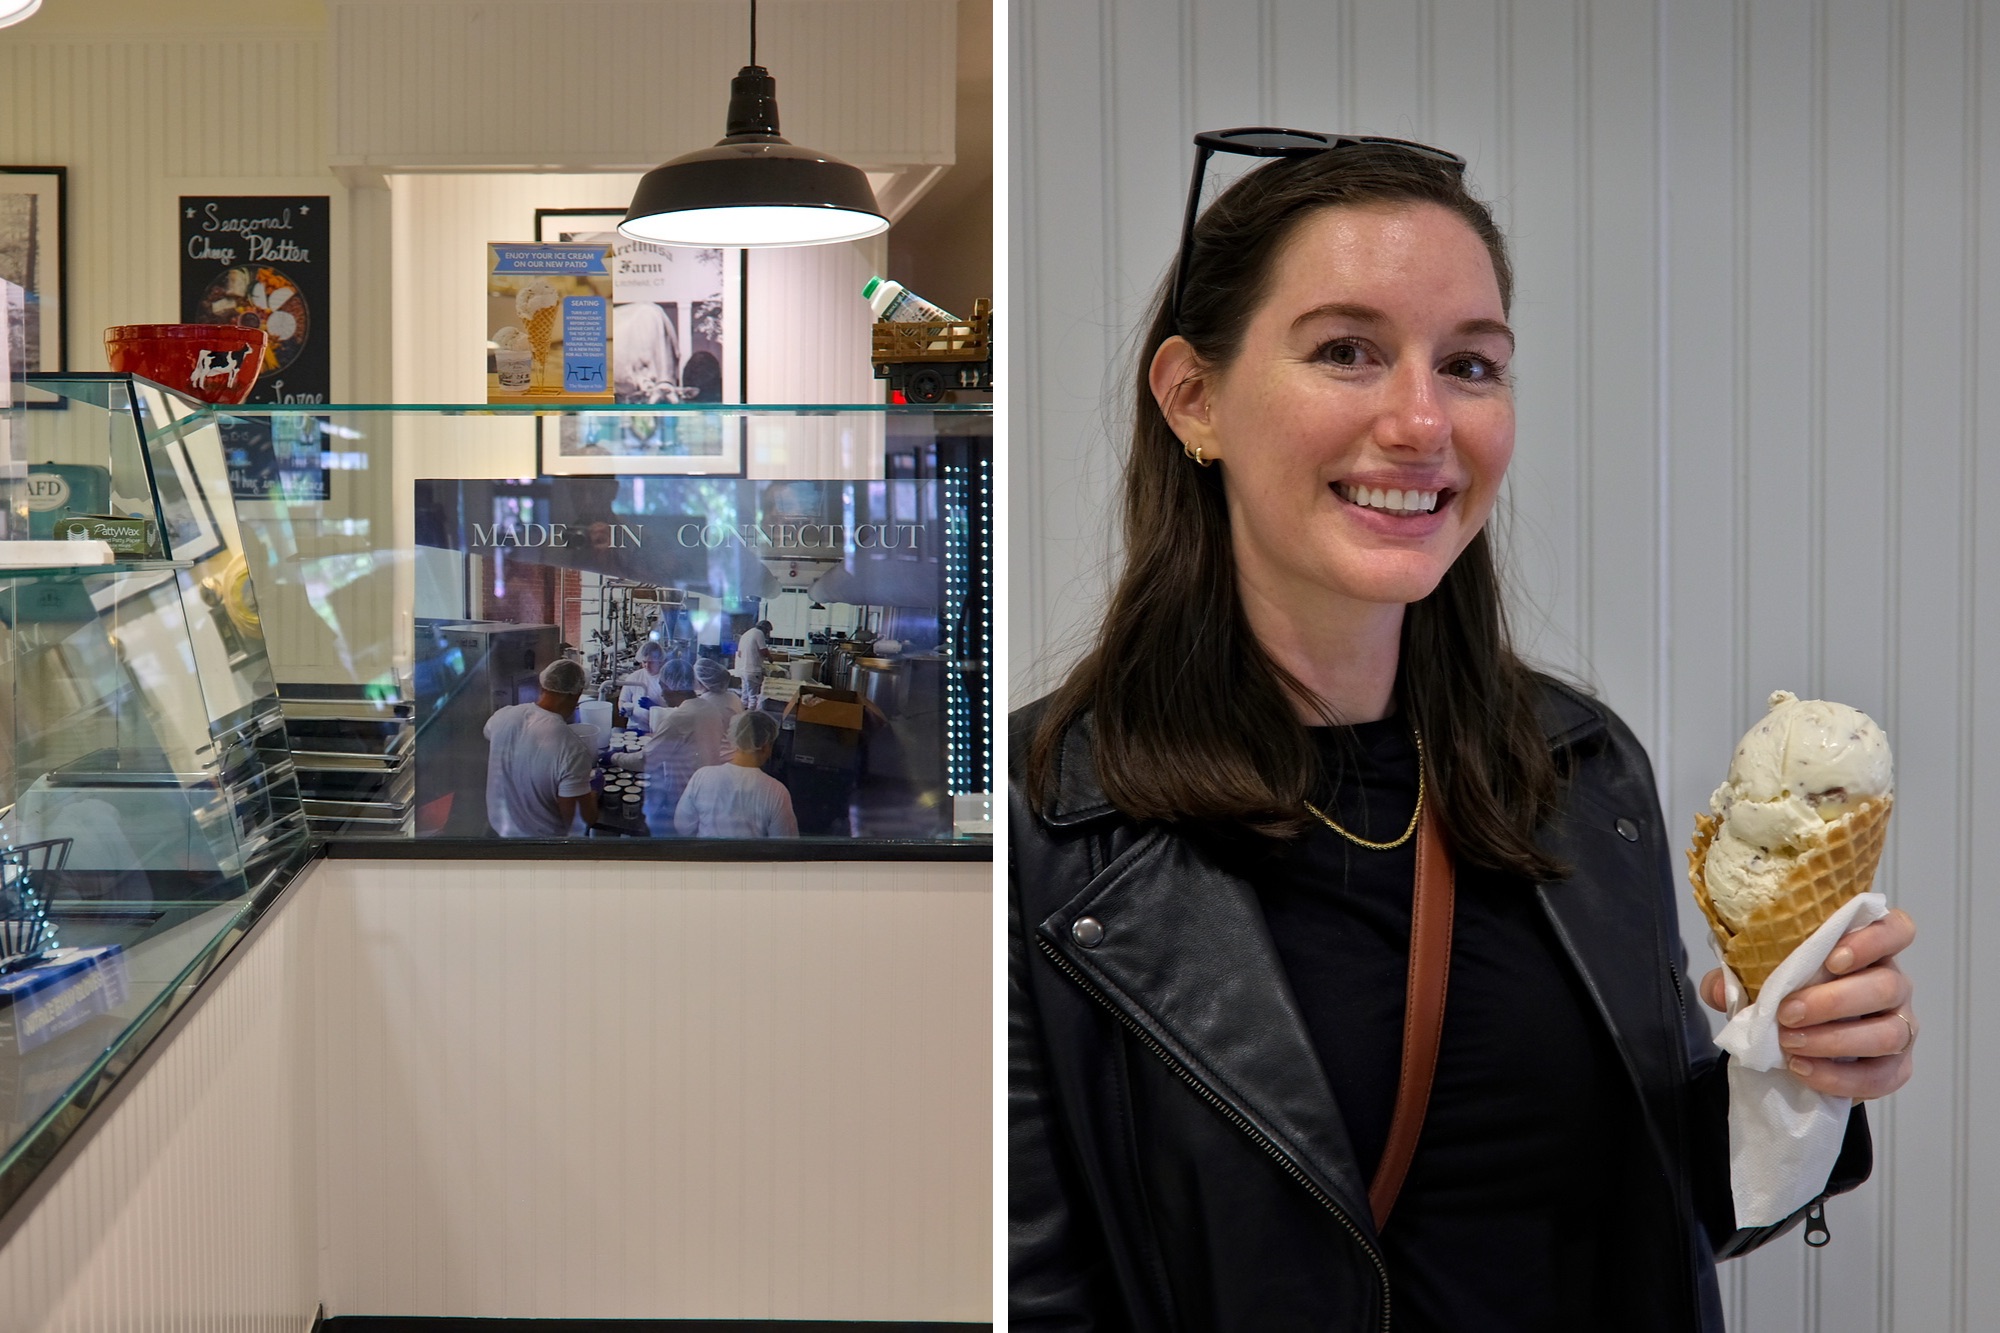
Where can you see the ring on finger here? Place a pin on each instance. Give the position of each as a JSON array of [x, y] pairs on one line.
[[1911, 1040]]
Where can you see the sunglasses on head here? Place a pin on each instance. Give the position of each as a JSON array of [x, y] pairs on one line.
[[1258, 141]]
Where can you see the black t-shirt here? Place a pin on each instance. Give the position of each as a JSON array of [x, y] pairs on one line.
[[1508, 1218]]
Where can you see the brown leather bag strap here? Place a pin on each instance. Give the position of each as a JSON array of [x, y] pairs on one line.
[[1423, 1014]]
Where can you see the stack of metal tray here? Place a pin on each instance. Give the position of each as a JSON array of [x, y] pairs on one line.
[[356, 759]]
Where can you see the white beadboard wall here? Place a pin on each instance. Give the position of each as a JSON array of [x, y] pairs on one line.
[[555, 1089], [139, 116], [622, 1090], [193, 1206], [1759, 309], [459, 84]]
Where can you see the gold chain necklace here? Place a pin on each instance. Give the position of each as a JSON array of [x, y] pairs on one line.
[[1415, 814]]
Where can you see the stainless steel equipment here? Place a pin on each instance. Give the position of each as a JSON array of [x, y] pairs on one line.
[[628, 615], [355, 751]]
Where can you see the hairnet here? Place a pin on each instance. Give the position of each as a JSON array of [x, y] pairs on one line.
[[711, 675], [651, 648], [752, 731], [563, 676]]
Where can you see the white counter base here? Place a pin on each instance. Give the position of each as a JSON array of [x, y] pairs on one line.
[[584, 1089]]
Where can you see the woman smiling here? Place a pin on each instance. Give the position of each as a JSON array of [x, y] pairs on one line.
[[1345, 972]]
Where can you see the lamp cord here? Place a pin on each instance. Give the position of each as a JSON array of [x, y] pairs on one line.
[[753, 32]]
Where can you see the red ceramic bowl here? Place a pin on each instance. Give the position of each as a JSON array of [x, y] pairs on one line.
[[216, 363]]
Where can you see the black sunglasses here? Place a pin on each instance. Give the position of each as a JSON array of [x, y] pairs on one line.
[[1259, 141]]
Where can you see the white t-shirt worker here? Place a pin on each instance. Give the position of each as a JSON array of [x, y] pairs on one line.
[[538, 770], [738, 799], [751, 649]]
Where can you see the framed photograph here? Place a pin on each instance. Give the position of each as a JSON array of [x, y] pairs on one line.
[[676, 338], [32, 255]]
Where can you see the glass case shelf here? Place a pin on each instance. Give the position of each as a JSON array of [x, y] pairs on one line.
[[417, 566]]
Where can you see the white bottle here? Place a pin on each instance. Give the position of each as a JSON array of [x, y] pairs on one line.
[[892, 301]]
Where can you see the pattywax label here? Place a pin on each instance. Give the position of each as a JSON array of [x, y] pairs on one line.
[[548, 323], [128, 538]]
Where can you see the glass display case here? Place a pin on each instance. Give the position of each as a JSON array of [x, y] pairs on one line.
[[417, 568], [149, 804], [313, 614]]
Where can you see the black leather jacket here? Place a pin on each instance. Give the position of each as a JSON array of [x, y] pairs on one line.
[[1176, 1159]]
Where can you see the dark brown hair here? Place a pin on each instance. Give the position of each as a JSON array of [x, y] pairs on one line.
[[1192, 719]]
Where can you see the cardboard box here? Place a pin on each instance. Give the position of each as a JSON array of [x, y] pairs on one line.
[[825, 713]]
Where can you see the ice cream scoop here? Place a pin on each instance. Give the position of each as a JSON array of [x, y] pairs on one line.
[[535, 294], [510, 339], [1826, 753], [1805, 764], [1795, 830]]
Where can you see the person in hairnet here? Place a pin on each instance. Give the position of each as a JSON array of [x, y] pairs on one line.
[[538, 770], [738, 799], [684, 739], [644, 686], [678, 673]]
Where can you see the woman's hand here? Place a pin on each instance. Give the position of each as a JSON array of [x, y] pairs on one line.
[[1863, 1012]]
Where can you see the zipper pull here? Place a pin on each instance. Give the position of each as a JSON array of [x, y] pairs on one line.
[[1816, 1232]]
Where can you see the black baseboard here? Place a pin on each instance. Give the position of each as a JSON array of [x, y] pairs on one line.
[[375, 1323], [397, 1323]]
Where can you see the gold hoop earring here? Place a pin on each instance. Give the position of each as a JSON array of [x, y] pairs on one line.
[[1194, 451]]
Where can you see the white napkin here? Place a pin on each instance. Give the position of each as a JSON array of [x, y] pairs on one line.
[[1783, 1136]]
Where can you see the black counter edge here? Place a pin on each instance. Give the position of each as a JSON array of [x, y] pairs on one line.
[[649, 849], [99, 1098], [349, 1323], [399, 1323]]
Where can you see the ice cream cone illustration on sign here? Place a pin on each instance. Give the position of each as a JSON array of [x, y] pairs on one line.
[[1793, 833], [548, 317], [538, 306]]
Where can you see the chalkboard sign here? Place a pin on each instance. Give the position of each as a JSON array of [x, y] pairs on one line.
[[261, 261]]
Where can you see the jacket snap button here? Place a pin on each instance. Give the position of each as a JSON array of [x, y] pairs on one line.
[[1087, 931], [1628, 830]]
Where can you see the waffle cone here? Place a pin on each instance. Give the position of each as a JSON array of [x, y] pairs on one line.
[[541, 330], [1840, 864]]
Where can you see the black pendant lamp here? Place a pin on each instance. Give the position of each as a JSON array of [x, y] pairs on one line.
[[753, 189]]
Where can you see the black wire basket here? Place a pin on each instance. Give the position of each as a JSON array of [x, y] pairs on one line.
[[26, 933]]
